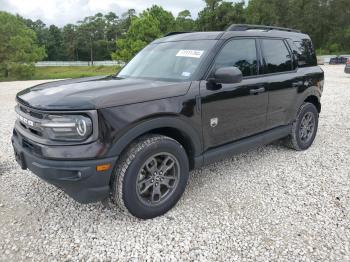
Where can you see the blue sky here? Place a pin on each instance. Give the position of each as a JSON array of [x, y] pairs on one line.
[[61, 12]]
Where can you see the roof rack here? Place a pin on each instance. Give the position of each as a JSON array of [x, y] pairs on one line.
[[176, 33], [245, 27]]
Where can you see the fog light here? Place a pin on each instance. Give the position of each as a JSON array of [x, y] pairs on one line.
[[103, 167]]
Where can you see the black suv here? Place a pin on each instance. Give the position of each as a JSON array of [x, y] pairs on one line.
[[184, 101]]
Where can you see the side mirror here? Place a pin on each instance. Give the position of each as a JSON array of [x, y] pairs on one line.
[[228, 75]]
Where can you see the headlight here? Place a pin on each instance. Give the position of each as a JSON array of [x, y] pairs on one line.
[[67, 127]]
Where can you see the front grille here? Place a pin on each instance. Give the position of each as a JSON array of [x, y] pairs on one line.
[[31, 112], [30, 120]]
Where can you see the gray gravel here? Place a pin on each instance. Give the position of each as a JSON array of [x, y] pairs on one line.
[[268, 204]]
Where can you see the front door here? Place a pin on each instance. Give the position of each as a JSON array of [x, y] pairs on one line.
[[236, 110]]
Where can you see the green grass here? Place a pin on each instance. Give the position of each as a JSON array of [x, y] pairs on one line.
[[53, 72], [60, 72]]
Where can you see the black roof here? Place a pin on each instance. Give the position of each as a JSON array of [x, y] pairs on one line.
[[236, 31], [245, 27], [190, 36]]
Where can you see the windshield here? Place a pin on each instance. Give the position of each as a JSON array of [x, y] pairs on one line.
[[170, 61]]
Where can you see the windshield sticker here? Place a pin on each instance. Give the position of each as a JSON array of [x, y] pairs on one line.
[[186, 74], [190, 53]]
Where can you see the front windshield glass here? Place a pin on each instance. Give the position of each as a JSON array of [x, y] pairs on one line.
[[169, 61]]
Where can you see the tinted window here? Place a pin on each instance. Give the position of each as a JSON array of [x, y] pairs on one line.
[[240, 53], [276, 55], [306, 54]]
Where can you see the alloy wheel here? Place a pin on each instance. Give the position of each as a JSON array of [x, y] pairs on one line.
[[307, 127], [158, 178]]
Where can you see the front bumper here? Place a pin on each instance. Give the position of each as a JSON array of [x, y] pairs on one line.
[[78, 178]]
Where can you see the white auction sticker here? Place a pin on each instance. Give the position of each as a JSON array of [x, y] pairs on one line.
[[190, 53]]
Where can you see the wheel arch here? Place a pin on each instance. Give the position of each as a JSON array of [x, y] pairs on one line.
[[311, 95], [173, 127], [313, 99]]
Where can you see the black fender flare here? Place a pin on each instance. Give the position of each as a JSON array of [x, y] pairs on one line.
[[311, 91], [147, 126]]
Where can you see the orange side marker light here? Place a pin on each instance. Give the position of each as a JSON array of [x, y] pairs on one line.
[[104, 167]]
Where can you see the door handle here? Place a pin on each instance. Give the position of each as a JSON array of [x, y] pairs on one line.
[[298, 84], [257, 91]]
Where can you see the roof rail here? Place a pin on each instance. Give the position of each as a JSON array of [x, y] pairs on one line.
[[176, 33], [245, 27]]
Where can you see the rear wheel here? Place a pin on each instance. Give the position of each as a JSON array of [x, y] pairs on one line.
[[304, 128], [151, 176]]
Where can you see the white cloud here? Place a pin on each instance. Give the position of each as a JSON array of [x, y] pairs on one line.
[[61, 12]]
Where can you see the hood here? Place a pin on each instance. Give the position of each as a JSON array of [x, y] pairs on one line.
[[98, 92]]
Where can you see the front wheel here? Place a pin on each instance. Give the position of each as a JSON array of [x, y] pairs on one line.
[[151, 176], [304, 128]]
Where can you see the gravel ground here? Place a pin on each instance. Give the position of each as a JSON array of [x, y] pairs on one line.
[[271, 203]]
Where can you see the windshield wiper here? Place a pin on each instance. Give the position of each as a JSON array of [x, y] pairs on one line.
[[115, 76]]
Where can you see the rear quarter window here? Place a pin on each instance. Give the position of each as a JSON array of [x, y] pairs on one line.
[[305, 52]]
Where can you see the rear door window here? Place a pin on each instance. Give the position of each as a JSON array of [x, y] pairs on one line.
[[276, 55]]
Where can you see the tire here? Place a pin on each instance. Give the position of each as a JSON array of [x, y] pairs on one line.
[[299, 139], [150, 176]]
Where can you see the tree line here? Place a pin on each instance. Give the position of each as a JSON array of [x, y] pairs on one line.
[[106, 36]]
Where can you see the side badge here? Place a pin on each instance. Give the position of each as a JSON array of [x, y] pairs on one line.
[[214, 122]]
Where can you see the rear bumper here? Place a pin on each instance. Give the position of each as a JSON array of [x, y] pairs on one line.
[[347, 70], [78, 178]]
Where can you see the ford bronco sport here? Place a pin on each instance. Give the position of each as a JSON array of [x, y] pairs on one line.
[[184, 101]]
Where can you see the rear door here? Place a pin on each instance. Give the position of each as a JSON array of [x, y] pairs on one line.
[[281, 80]]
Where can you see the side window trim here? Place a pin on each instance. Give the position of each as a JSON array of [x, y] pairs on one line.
[[264, 61], [212, 64], [261, 60], [290, 54], [293, 50]]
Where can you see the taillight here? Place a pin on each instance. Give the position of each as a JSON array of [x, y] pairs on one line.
[[348, 62]]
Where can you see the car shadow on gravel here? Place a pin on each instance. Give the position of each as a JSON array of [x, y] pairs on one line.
[[49, 201]]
